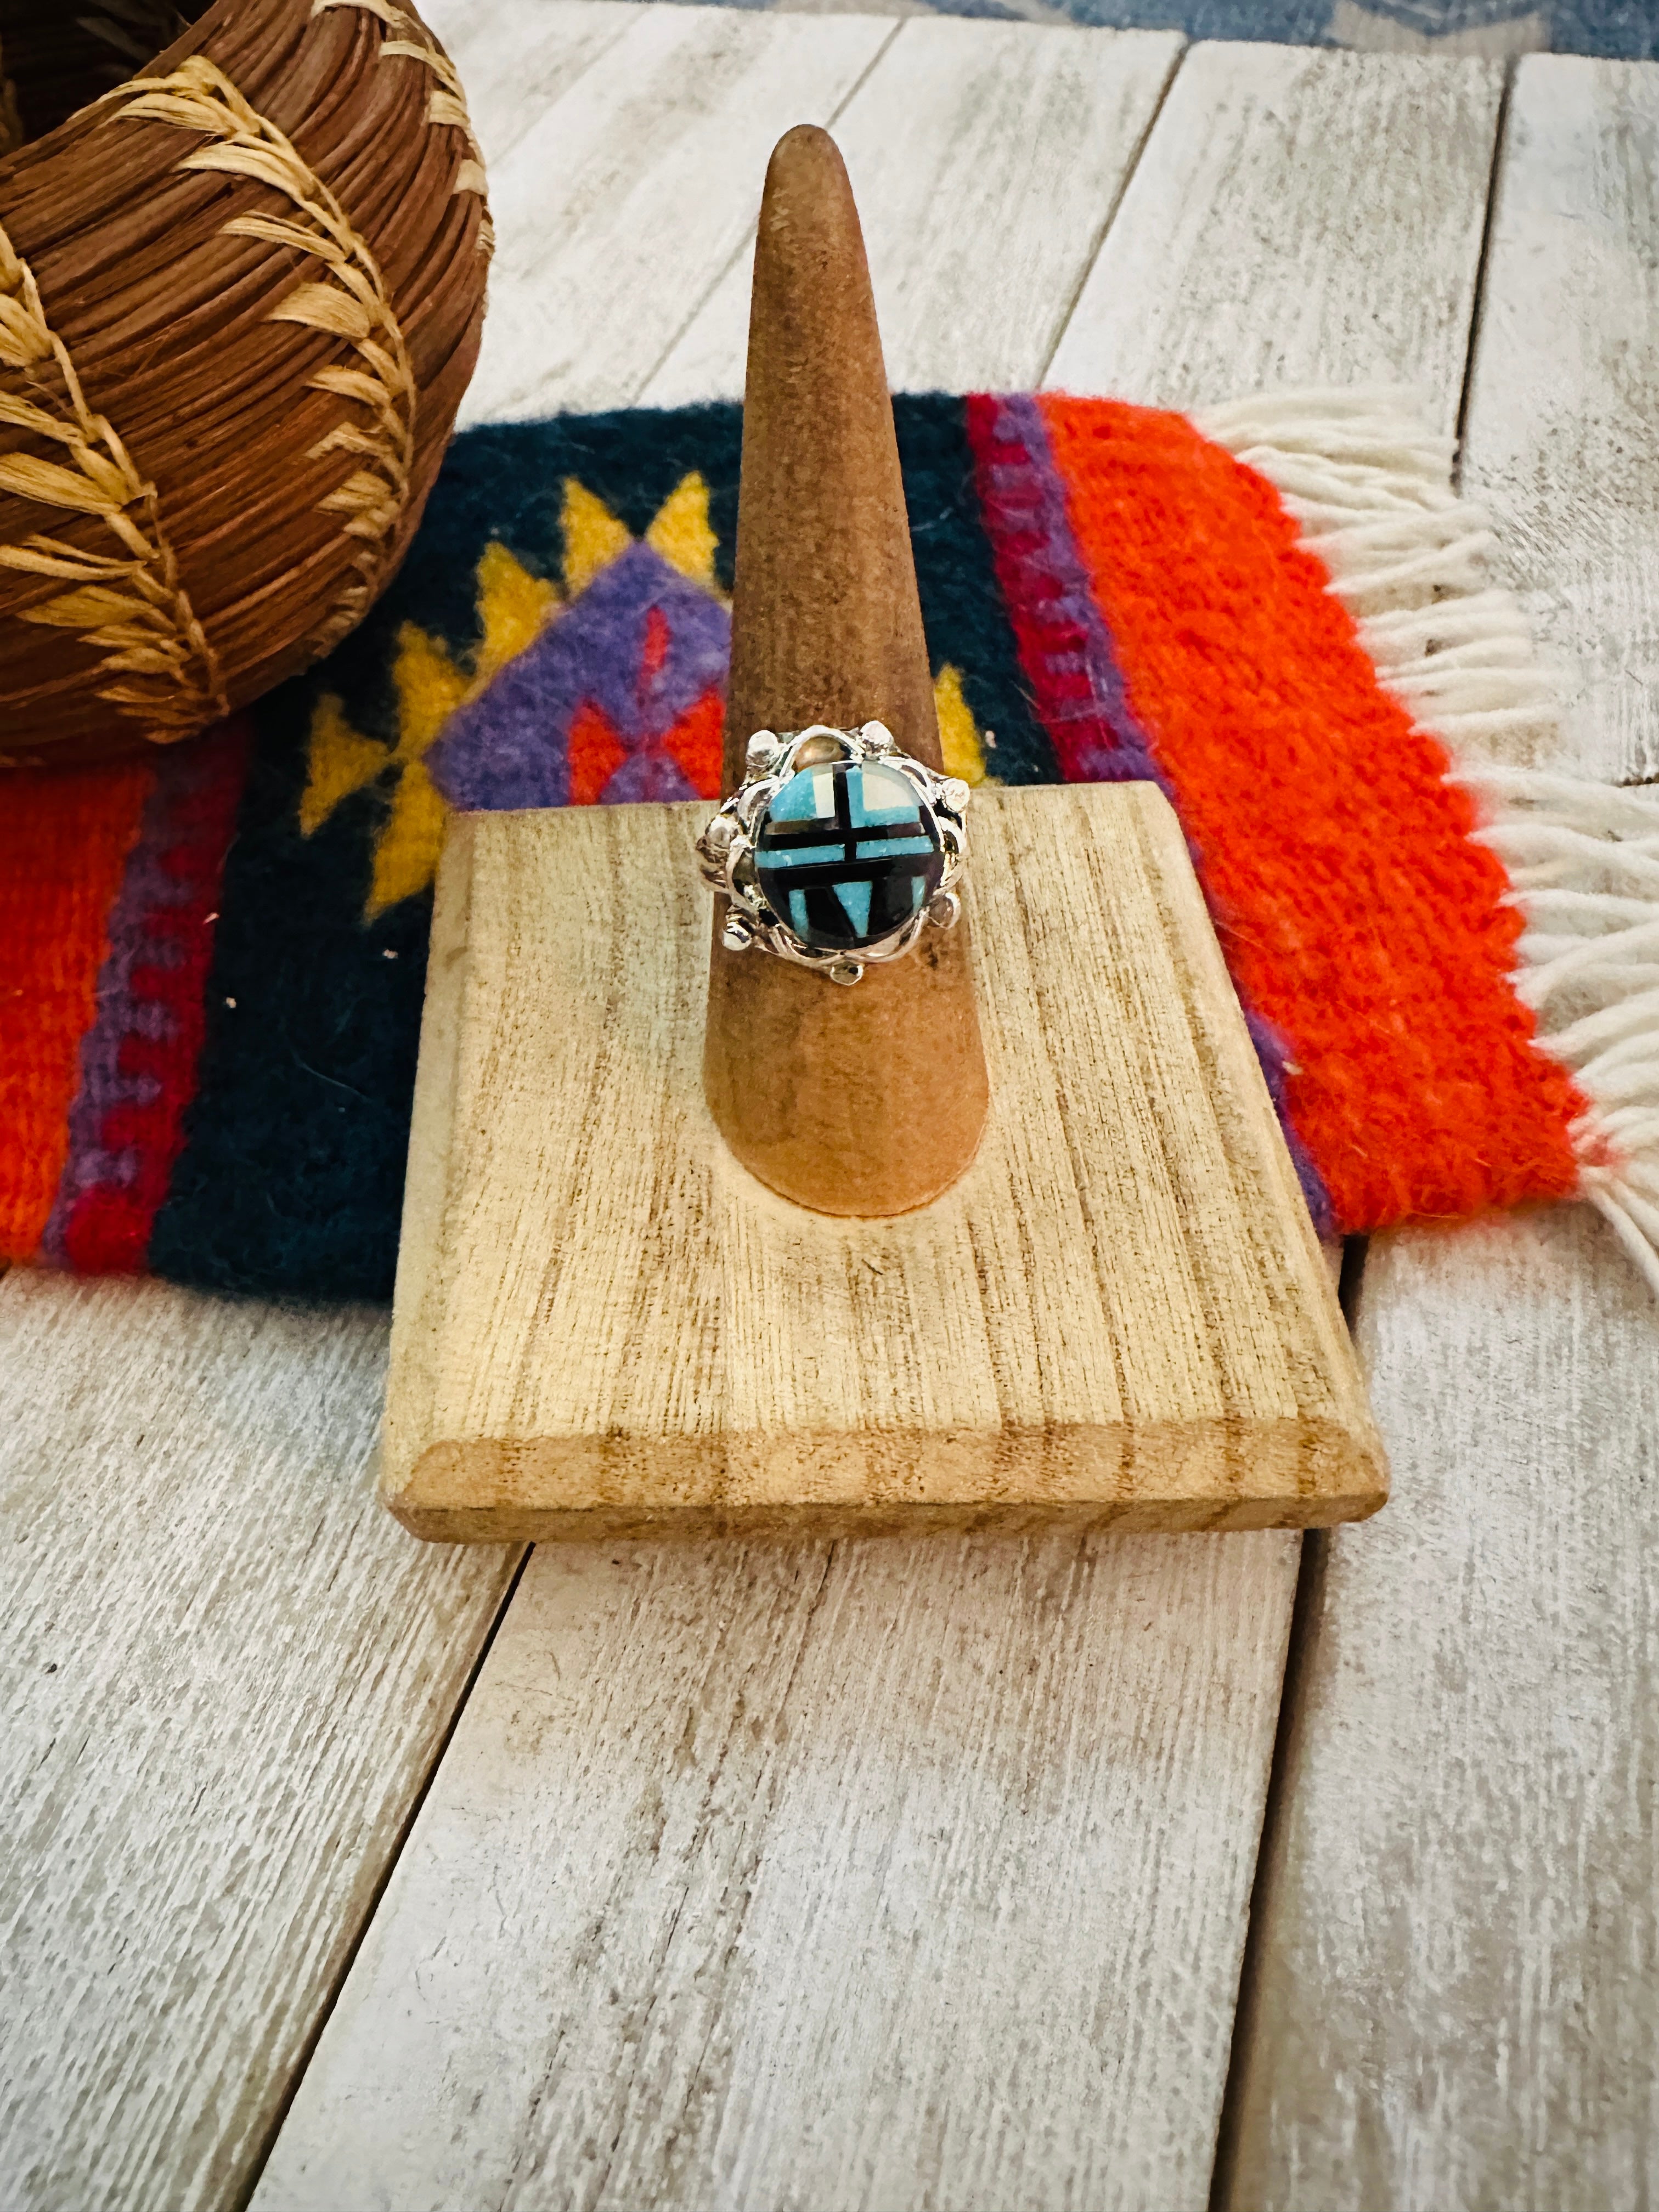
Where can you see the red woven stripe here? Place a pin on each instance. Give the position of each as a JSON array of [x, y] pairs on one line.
[[63, 842], [1357, 914]]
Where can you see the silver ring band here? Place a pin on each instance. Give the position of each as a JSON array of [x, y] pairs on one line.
[[837, 850]]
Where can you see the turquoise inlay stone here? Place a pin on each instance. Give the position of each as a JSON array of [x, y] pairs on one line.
[[873, 850], [846, 854], [855, 900]]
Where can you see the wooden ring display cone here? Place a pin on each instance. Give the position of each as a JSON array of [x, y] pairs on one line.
[[782, 1270], [869, 1101]]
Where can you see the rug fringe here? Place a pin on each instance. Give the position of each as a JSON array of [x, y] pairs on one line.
[[1584, 861], [1369, 486]]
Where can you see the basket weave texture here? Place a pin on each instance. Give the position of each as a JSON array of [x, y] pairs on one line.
[[240, 298]]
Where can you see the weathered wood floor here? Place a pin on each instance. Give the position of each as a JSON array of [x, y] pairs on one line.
[[900, 1875]]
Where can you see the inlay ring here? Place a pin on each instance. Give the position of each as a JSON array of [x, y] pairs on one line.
[[836, 850]]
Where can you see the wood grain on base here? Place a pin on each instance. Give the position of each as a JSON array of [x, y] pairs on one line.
[[225, 1673], [605, 1327]]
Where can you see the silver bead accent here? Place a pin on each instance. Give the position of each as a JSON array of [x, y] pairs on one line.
[[737, 935], [763, 751], [877, 738], [845, 971], [945, 909], [955, 794]]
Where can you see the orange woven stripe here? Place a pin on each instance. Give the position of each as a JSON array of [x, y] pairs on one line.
[[64, 839], [1357, 916]]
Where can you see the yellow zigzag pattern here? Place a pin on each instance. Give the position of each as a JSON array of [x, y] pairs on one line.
[[513, 607], [959, 732], [429, 683]]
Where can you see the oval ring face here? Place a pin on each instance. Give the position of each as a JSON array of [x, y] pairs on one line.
[[848, 852]]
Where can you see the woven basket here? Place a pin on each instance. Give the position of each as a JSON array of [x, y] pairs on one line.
[[241, 296]]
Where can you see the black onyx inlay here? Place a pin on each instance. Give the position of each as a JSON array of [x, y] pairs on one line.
[[847, 854]]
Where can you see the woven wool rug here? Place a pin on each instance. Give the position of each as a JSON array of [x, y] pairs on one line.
[[212, 960]]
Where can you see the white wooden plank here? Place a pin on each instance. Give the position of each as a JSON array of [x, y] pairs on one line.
[[226, 1675], [901, 1874], [1561, 448], [517, 57], [1458, 2002], [1458, 1997], [986, 163], [617, 210], [1297, 218], [782, 1876]]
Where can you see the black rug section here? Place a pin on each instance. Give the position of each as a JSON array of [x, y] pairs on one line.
[[290, 1183], [961, 610]]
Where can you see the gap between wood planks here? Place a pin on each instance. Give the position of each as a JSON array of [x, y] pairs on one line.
[[1317, 1542], [280, 2109], [746, 247], [1304, 1611], [1102, 234]]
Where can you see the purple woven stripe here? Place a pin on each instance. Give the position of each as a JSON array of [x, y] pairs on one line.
[[148, 889], [1078, 684], [1081, 691], [1273, 1054]]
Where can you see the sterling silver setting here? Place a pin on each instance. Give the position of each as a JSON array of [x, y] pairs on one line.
[[754, 857]]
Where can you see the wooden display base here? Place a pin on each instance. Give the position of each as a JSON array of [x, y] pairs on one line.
[[605, 1327]]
